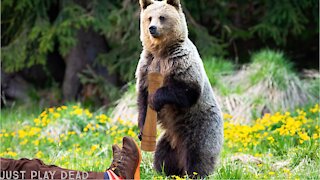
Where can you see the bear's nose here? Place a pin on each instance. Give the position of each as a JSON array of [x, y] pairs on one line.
[[153, 30]]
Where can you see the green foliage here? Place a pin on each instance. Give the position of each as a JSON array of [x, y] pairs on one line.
[[268, 64], [60, 136], [313, 86], [208, 45], [28, 40], [232, 171], [73, 137], [102, 89], [215, 26], [269, 20], [267, 84], [309, 152], [120, 25], [285, 18], [216, 68]]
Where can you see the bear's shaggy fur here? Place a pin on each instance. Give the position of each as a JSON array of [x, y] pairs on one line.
[[186, 106]]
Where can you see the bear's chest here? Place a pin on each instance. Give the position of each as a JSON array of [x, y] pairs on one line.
[[160, 65]]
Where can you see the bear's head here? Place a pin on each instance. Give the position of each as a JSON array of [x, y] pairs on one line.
[[162, 23]]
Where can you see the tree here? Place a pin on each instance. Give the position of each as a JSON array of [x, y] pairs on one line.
[[104, 34]]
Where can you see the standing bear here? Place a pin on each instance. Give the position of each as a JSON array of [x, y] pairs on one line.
[[186, 106]]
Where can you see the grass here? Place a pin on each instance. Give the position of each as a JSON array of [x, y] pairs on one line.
[[273, 65], [10, 116], [267, 84], [283, 145], [216, 68]]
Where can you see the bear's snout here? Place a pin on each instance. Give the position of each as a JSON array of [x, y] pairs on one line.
[[153, 31]]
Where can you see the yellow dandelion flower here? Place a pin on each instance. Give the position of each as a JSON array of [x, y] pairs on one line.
[[102, 121], [121, 121], [56, 115], [36, 142], [315, 136], [45, 121], [21, 134], [131, 133], [24, 142], [94, 147], [37, 121], [77, 112], [315, 109], [51, 110], [50, 140], [271, 173], [304, 136], [258, 155], [88, 113], [286, 170], [227, 116], [113, 133], [34, 131], [103, 116], [271, 139], [44, 113], [78, 149], [89, 125], [12, 154], [39, 154], [114, 128]]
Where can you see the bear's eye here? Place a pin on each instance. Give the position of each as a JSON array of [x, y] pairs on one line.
[[150, 18], [162, 18]]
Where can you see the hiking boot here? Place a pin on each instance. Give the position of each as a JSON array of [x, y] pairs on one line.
[[116, 154], [129, 164]]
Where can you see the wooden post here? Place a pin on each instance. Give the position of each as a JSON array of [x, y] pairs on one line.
[[149, 134]]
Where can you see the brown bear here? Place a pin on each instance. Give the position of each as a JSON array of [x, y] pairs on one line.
[[186, 106]]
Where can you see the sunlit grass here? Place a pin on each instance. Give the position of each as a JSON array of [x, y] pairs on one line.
[[268, 83], [76, 138]]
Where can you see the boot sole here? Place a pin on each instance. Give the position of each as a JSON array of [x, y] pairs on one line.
[[137, 172]]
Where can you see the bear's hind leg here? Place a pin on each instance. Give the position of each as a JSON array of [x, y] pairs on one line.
[[166, 159], [199, 164]]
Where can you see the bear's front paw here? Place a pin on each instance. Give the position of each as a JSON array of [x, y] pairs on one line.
[[153, 104]]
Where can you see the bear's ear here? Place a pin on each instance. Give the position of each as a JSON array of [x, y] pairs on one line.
[[145, 3], [174, 3]]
